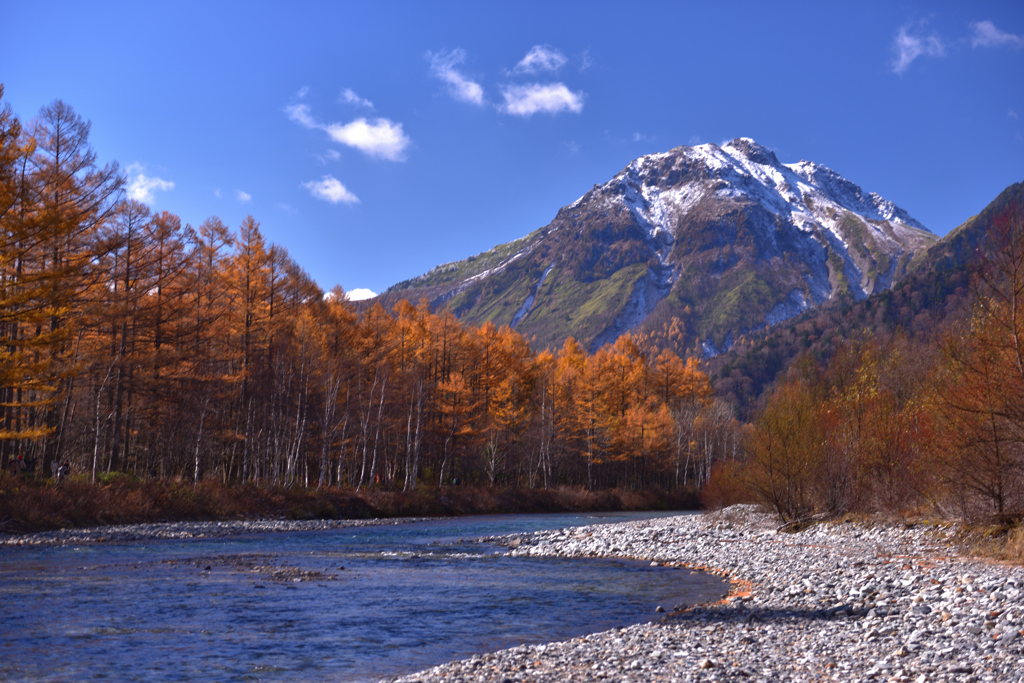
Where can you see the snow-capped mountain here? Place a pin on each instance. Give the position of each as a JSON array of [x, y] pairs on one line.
[[697, 244]]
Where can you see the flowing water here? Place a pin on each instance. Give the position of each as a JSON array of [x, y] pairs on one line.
[[353, 604]]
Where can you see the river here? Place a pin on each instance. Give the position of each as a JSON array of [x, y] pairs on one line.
[[355, 604]]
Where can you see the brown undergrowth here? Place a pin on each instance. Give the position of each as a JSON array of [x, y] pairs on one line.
[[27, 505], [1000, 543]]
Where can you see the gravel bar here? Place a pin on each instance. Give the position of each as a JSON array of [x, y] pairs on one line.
[[844, 602], [126, 533]]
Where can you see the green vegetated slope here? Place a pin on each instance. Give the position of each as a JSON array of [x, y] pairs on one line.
[[592, 268]]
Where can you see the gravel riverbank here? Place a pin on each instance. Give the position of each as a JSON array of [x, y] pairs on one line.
[[834, 602], [126, 533]]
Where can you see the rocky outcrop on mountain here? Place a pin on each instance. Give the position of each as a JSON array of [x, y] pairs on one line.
[[699, 244]]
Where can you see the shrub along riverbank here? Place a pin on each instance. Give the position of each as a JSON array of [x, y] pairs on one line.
[[27, 505]]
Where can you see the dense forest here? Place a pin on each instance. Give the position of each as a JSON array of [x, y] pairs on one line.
[[136, 345]]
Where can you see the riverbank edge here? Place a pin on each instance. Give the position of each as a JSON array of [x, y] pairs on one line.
[[28, 506], [854, 601]]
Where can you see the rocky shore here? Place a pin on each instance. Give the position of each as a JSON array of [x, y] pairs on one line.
[[126, 533], [842, 602]]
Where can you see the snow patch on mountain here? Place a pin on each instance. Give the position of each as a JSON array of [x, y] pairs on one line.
[[794, 305], [528, 304]]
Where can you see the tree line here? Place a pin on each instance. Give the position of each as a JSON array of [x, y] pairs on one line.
[[132, 343]]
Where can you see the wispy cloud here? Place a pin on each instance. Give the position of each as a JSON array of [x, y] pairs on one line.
[[378, 138], [442, 66], [328, 156], [694, 140], [586, 61], [299, 113], [216, 192], [360, 294], [640, 137], [243, 196], [141, 187], [287, 208], [911, 43], [552, 98], [330, 190], [348, 96], [540, 58], [985, 34], [1013, 115], [303, 91]]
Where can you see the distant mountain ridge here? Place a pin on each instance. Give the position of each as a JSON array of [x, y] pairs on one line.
[[699, 244]]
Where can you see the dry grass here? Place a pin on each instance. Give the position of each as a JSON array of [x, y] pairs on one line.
[[27, 505], [1000, 543]]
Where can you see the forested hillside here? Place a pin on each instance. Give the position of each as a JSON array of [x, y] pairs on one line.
[[922, 306]]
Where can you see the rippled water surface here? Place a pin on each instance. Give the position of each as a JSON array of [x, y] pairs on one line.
[[280, 606]]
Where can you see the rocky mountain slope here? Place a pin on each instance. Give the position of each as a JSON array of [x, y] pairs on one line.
[[933, 296], [698, 244]]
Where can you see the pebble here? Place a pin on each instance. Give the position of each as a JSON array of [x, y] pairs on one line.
[[836, 602]]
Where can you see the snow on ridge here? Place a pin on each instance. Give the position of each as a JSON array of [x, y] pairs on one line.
[[749, 170]]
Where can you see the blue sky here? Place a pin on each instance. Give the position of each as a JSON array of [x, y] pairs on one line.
[[377, 140]]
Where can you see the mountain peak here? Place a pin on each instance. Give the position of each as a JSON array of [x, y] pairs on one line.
[[751, 150], [701, 244]]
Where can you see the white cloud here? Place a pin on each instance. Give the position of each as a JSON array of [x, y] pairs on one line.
[[303, 91], [909, 47], [243, 196], [640, 137], [287, 208], [442, 66], [299, 113], [552, 98], [141, 187], [379, 138], [985, 34], [360, 294], [330, 190], [216, 192], [1012, 114], [540, 58], [348, 96]]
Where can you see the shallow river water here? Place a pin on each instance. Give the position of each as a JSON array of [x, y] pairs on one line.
[[281, 607]]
